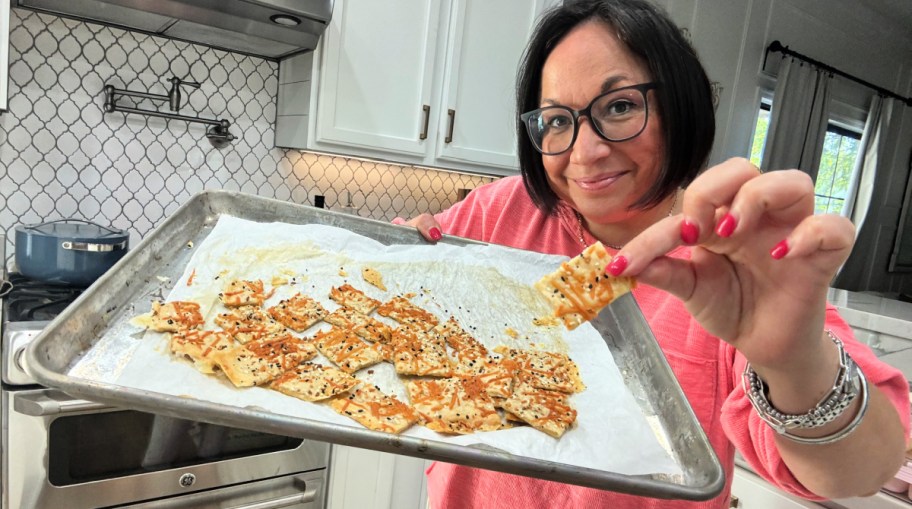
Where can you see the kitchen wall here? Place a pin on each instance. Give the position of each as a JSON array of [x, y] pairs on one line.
[[61, 156]]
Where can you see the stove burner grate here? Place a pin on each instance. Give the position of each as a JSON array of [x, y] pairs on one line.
[[31, 300]]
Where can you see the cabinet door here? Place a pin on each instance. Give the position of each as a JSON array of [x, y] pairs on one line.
[[485, 42], [366, 479], [377, 74]]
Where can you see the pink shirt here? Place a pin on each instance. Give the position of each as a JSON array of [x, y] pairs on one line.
[[707, 368]]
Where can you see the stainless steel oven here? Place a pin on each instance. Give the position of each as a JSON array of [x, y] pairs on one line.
[[59, 451]]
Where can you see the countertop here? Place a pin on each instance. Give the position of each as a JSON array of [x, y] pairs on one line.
[[883, 324]]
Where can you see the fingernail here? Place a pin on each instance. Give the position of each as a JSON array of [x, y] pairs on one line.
[[781, 249], [435, 233], [617, 265], [726, 226], [689, 232]]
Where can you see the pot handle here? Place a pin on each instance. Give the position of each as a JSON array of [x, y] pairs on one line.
[[94, 248], [39, 225]]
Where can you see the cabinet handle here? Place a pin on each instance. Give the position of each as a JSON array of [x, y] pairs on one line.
[[449, 136], [427, 118], [734, 502]]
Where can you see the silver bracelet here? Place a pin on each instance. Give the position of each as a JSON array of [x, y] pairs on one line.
[[849, 383]]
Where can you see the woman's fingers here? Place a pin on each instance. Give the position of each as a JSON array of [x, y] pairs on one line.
[[729, 200], [733, 207], [828, 237], [427, 226]]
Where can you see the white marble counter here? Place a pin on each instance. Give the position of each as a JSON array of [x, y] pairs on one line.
[[884, 324]]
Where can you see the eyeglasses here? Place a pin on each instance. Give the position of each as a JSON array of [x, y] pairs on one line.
[[616, 115]]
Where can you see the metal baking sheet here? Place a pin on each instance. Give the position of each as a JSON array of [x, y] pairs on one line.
[[166, 252]]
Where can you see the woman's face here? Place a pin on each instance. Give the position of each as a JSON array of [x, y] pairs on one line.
[[599, 178]]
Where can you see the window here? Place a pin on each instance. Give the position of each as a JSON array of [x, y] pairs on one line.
[[840, 150]]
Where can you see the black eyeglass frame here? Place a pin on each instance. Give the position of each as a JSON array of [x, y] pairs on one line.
[[643, 88]]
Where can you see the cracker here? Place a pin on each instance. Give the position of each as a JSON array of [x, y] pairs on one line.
[[403, 311], [579, 288], [419, 353], [454, 405], [364, 326], [175, 315], [200, 346], [343, 348], [243, 293], [352, 298], [298, 312], [258, 362], [314, 382], [248, 323], [375, 410], [544, 370], [546, 411]]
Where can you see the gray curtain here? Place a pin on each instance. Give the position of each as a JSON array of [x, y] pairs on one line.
[[855, 272], [858, 200], [798, 119]]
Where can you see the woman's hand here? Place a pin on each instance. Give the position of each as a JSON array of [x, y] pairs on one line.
[[762, 261], [758, 278], [427, 226]]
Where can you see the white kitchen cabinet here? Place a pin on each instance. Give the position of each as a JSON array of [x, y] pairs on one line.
[[426, 82], [366, 479]]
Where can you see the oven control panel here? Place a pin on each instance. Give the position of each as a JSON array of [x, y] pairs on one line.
[[16, 338]]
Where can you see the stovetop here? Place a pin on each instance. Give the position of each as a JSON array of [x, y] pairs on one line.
[[26, 309], [30, 300]]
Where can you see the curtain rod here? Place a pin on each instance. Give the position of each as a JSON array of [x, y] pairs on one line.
[[785, 50]]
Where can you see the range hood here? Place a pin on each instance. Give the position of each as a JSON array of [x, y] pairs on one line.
[[266, 28]]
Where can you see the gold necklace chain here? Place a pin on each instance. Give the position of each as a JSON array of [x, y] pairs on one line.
[[579, 225]]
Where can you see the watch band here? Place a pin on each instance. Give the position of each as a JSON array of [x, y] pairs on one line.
[[850, 382]]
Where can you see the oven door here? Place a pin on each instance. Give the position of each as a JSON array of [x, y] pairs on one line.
[[63, 452]]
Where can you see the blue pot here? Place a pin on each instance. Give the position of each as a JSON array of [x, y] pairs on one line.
[[68, 251]]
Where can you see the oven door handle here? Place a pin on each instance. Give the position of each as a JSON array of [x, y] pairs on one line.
[[45, 403], [308, 495]]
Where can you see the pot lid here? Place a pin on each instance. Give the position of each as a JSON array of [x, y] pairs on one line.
[[77, 230]]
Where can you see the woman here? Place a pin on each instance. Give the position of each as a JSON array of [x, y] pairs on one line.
[[733, 269]]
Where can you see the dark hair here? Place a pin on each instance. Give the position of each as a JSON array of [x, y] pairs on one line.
[[684, 95]]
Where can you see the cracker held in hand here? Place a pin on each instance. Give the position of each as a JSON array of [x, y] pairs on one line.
[[579, 289]]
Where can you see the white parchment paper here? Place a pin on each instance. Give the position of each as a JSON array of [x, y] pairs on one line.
[[488, 289]]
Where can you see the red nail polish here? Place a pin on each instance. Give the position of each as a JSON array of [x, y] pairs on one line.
[[690, 234], [435, 233], [726, 226], [617, 265], [780, 250]]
